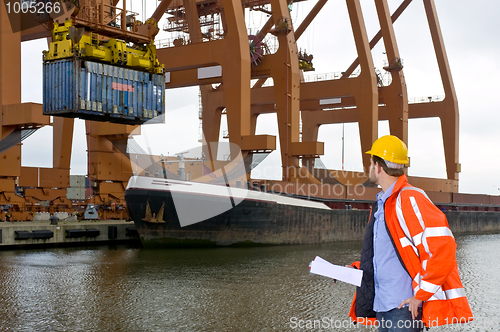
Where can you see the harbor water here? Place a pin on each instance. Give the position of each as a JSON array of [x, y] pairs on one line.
[[224, 289]]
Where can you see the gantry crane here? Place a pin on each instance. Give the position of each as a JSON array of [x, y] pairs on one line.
[[350, 98], [43, 189], [242, 58]]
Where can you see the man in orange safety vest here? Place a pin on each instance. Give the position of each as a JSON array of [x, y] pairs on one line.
[[410, 275]]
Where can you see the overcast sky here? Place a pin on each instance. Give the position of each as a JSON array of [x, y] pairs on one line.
[[470, 34]]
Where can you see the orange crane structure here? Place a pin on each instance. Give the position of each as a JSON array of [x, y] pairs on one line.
[[356, 99], [231, 69]]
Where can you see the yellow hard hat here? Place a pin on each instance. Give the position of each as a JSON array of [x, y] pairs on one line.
[[390, 148]]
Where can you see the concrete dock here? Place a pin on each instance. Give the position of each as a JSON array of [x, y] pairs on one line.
[[66, 233]]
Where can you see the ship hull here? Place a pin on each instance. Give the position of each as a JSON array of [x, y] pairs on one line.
[[256, 218]]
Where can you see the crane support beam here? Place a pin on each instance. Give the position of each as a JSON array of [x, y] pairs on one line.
[[309, 18], [284, 66], [317, 118], [160, 10], [366, 93], [108, 168], [266, 28], [10, 91], [62, 133], [449, 114], [313, 92], [188, 77], [395, 95], [193, 21], [36, 32], [189, 56], [377, 37]]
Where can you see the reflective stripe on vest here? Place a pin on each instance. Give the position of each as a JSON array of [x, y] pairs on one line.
[[405, 242], [425, 285], [448, 294]]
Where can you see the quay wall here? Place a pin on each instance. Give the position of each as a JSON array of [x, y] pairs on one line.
[[44, 234], [473, 222], [351, 225]]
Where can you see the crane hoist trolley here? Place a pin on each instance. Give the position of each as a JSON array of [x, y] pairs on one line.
[[92, 79]]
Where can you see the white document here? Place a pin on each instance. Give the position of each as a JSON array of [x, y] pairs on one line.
[[342, 273]]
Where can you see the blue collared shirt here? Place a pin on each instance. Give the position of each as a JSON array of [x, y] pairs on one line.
[[392, 282]]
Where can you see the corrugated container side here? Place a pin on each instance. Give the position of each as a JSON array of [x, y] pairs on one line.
[[362, 193], [75, 193], [77, 181], [439, 197], [495, 200], [470, 199], [102, 92]]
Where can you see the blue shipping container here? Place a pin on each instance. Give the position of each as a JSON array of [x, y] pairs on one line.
[[101, 92]]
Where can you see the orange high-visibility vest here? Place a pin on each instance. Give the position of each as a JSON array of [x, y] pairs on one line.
[[424, 243]]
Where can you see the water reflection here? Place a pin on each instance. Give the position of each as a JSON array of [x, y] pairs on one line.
[[61, 290], [227, 289]]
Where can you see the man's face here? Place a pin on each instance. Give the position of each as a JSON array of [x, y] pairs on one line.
[[373, 172]]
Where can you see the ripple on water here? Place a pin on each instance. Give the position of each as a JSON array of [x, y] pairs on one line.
[[229, 289]]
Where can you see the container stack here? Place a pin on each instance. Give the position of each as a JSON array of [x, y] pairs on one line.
[[76, 191]]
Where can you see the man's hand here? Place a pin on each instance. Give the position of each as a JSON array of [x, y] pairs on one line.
[[413, 305]]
